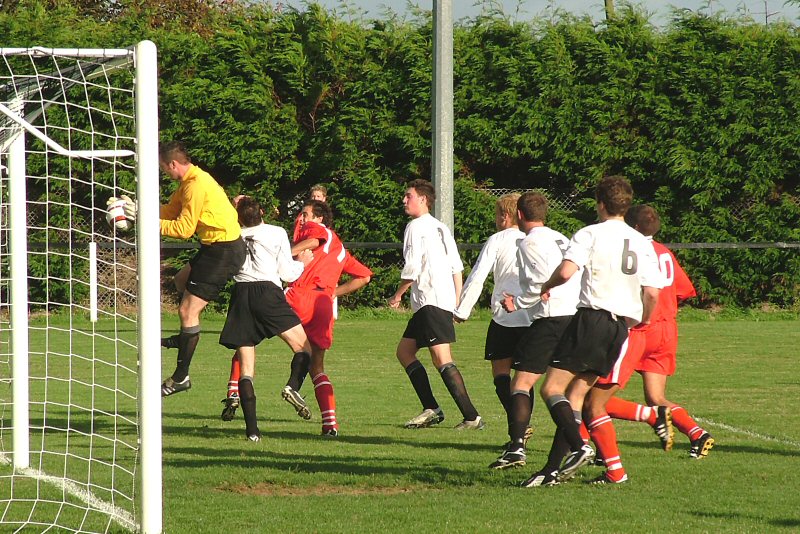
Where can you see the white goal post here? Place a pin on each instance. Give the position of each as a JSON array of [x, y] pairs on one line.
[[80, 311]]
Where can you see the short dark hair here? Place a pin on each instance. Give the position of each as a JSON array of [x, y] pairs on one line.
[[533, 206], [174, 150], [321, 209], [424, 189], [249, 211], [616, 194], [643, 218]]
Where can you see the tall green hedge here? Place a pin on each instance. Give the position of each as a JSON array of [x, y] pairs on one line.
[[701, 115]]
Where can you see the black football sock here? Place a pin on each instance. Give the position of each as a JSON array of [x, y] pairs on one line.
[[502, 388], [564, 417], [520, 416], [170, 342], [558, 450], [422, 386], [187, 343], [247, 400], [299, 370], [532, 395], [455, 385]]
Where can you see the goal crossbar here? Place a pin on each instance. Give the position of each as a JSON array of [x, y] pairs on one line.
[[40, 51]]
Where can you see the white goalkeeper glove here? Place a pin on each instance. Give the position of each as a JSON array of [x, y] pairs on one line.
[[129, 207]]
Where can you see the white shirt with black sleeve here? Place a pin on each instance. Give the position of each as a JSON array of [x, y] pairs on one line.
[[498, 256], [431, 260]]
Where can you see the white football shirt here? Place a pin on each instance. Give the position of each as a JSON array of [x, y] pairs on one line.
[[269, 256], [539, 254], [498, 256], [617, 262], [431, 260]]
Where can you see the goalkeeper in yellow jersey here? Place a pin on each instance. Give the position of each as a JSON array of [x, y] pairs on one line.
[[199, 206]]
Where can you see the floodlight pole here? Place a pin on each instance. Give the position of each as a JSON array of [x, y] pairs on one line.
[[442, 114]]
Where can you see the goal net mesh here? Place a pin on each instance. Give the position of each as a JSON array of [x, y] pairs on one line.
[[82, 308]]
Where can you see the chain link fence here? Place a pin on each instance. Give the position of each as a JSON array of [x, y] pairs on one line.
[[568, 203], [555, 200]]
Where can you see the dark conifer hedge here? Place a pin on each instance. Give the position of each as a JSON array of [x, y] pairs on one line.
[[701, 115]]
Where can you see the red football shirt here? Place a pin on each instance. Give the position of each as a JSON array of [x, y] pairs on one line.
[[678, 286], [331, 259]]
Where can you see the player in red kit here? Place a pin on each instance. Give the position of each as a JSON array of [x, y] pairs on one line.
[[661, 343], [311, 296]]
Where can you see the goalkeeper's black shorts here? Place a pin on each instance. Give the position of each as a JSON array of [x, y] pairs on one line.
[[213, 266]]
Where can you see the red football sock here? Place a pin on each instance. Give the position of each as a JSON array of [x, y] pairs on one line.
[[323, 390], [630, 411], [684, 422], [233, 381], [604, 437]]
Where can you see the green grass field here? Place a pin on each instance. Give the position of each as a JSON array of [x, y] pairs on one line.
[[738, 377]]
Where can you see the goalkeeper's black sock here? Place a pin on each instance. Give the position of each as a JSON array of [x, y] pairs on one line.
[[187, 343], [247, 400], [422, 386]]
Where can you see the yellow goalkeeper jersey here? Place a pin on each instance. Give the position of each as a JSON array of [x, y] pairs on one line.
[[200, 206]]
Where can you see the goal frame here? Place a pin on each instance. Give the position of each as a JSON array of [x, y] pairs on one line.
[[149, 495]]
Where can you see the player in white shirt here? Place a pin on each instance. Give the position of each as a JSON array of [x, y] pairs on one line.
[[258, 308], [620, 283], [538, 255], [499, 257], [433, 272]]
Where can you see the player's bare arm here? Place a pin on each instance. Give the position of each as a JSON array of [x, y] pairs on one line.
[[394, 300], [305, 244], [354, 284], [508, 302], [649, 302], [458, 283], [560, 276], [305, 256]]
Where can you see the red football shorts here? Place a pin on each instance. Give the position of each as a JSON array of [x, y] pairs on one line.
[[315, 310], [628, 360], [661, 349]]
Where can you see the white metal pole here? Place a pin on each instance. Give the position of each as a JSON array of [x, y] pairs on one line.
[[18, 246], [442, 120], [148, 240]]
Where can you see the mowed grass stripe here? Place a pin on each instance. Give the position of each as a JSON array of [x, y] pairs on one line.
[[380, 476]]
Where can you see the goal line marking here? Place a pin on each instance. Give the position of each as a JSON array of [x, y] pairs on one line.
[[749, 433]]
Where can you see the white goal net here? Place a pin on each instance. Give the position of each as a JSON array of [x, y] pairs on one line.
[[80, 445]]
